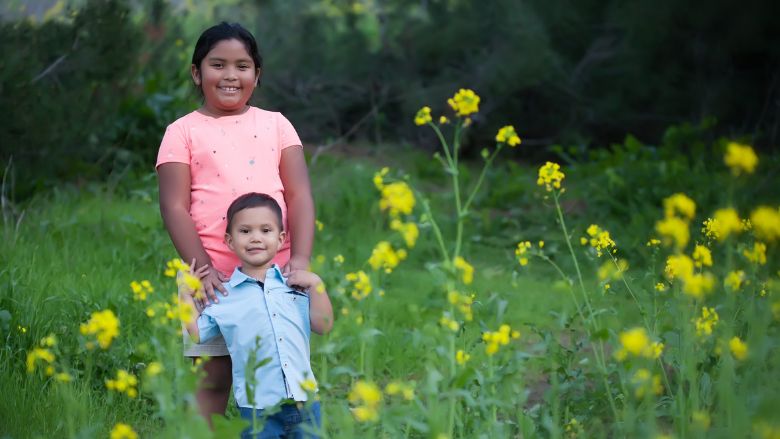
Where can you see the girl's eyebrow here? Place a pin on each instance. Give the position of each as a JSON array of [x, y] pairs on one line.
[[214, 58]]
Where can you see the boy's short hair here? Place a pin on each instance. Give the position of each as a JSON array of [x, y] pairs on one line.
[[250, 200]]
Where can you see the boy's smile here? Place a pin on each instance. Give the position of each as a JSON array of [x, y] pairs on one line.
[[255, 237]]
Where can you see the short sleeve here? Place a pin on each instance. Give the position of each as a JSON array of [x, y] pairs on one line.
[[174, 146], [287, 134], [207, 327]]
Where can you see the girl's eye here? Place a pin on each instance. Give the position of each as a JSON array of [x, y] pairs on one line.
[[216, 65]]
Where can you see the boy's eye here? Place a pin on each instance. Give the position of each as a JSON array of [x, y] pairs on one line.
[[243, 231]]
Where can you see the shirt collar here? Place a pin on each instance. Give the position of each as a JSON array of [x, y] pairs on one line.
[[239, 276]]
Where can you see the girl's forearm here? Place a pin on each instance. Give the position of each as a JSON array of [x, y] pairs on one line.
[[300, 209], [185, 238], [321, 311]]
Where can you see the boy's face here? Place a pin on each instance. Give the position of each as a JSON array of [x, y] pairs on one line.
[[255, 236]]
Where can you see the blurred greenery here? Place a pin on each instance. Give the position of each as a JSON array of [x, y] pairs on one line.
[[97, 81]]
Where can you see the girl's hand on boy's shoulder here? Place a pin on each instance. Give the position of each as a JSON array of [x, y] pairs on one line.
[[295, 263], [303, 280]]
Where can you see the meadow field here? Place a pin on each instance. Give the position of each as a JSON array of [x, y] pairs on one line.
[[630, 293]]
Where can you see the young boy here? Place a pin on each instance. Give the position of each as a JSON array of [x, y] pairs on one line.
[[282, 312]]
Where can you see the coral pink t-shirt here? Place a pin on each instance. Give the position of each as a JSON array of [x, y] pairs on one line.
[[228, 157]]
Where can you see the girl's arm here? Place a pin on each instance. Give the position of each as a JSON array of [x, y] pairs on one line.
[[175, 210], [300, 207], [320, 309]]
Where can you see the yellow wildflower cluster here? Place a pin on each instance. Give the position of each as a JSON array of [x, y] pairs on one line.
[[520, 252], [40, 355], [125, 382], [679, 205], [174, 266], [408, 231], [636, 342], [397, 198], [550, 176], [498, 338], [466, 270], [123, 431], [766, 223], [448, 322], [740, 158], [573, 429], [405, 389], [599, 239], [367, 398], [724, 222], [461, 357], [646, 383], [465, 102], [361, 284], [702, 257], [463, 303], [170, 311], [681, 267], [423, 116], [701, 419], [610, 271], [508, 135], [141, 289], [708, 320], [679, 210], [309, 385], [739, 348], [734, 280], [102, 324], [757, 254], [385, 257], [153, 369]]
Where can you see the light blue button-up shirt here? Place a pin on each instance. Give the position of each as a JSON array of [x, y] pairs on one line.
[[280, 316]]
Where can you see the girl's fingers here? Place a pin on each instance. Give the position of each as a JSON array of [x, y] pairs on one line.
[[209, 287]]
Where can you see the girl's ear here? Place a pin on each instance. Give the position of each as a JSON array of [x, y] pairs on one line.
[[258, 75], [195, 75]]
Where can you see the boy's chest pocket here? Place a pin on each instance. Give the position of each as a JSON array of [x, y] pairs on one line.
[[293, 304]]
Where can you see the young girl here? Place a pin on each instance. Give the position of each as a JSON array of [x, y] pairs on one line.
[[209, 157]]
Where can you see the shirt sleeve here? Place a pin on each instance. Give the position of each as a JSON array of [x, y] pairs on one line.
[[175, 146], [207, 327], [287, 134]]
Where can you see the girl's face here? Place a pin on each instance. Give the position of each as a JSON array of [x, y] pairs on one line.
[[227, 76]]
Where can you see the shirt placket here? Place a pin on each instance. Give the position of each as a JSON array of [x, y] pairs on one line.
[[273, 315]]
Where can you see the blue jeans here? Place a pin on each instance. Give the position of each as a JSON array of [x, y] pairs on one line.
[[290, 422]]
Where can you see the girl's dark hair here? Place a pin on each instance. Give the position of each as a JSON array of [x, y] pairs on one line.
[[250, 200], [221, 32]]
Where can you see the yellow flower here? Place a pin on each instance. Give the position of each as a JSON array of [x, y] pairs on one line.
[[448, 323], [367, 397], [698, 285], [498, 338], [385, 257], [462, 302], [398, 198], [701, 419], [319, 224], [679, 205], [63, 377], [521, 250], [153, 369], [508, 135], [738, 348], [679, 267], [723, 223], [740, 158], [141, 289], [660, 286], [600, 240], [708, 320], [309, 385], [766, 223], [462, 357], [423, 116], [466, 269], [757, 255], [397, 387], [653, 242], [702, 257], [123, 431], [104, 325], [408, 231], [646, 383], [635, 341], [465, 102], [379, 178], [338, 259], [361, 284], [550, 176], [49, 341], [673, 231], [38, 354], [734, 280], [174, 266], [125, 382], [443, 120], [608, 270]]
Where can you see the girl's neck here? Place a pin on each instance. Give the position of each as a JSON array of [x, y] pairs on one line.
[[204, 109]]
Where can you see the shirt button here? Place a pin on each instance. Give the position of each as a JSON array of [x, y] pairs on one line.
[[280, 338], [274, 314], [285, 364]]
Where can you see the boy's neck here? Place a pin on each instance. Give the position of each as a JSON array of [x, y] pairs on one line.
[[256, 272]]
